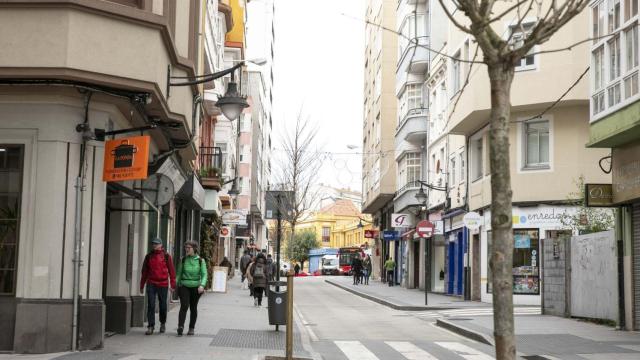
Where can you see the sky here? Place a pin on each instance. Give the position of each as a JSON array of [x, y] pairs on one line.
[[318, 70]]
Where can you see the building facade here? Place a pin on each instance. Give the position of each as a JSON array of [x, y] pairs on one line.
[[380, 119], [615, 126], [58, 213]]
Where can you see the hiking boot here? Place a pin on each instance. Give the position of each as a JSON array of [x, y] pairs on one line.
[[149, 330], [190, 332], [180, 331], [162, 328]]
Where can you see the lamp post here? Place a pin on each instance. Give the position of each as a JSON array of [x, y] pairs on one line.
[[422, 198]]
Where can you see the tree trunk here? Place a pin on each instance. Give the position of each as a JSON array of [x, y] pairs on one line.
[[501, 77]]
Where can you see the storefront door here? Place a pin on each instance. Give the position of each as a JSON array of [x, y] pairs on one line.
[[459, 263], [451, 268]]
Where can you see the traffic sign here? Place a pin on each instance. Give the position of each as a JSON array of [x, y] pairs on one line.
[[425, 228]]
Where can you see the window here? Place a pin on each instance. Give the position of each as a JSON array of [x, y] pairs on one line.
[[598, 69], [614, 15], [517, 40], [411, 31], [410, 100], [630, 9], [631, 86], [11, 158], [412, 164], [536, 144], [462, 169], [613, 94], [614, 58], [631, 49], [326, 234], [476, 158], [526, 271], [598, 21], [598, 102], [452, 172], [455, 73]]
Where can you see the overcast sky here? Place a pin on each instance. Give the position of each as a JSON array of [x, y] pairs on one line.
[[318, 67]]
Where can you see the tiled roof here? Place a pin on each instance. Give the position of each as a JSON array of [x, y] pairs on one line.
[[341, 207]]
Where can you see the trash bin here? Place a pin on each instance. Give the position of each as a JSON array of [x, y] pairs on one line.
[[277, 303]]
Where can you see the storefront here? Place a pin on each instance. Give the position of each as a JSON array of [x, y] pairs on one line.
[[531, 226], [454, 249]]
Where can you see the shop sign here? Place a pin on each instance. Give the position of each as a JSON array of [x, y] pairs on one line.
[[234, 217], [126, 159], [370, 234], [400, 220], [439, 227], [390, 235], [598, 195], [522, 241], [626, 173], [472, 220], [541, 216]]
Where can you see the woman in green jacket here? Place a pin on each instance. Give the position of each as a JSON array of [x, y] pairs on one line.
[[191, 278]]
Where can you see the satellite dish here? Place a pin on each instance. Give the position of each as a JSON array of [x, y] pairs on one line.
[[158, 188]]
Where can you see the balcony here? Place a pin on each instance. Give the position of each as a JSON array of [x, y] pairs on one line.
[[406, 196], [210, 168], [413, 126], [414, 58]]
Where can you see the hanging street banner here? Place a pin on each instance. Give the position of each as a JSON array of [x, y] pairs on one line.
[[126, 159]]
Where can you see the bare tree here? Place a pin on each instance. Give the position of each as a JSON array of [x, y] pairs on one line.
[[501, 56], [298, 168]]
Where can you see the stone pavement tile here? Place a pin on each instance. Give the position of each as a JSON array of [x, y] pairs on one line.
[[615, 356], [404, 297]]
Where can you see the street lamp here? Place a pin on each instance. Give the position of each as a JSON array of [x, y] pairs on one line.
[[421, 196], [232, 103]]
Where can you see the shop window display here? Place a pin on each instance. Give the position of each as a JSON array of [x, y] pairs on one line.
[[526, 270]]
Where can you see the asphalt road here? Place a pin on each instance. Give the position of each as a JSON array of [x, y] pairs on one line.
[[342, 326]]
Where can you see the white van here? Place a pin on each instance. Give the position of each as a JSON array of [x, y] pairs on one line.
[[329, 265]]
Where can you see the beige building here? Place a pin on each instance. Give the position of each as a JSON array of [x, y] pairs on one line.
[[380, 118], [547, 151], [100, 65]]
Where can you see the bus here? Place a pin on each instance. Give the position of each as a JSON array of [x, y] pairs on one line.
[[345, 256]]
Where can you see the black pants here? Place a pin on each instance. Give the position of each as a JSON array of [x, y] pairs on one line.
[[154, 292], [390, 279], [356, 277], [257, 293], [188, 301]]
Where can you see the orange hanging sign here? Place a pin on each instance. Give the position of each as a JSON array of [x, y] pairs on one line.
[[126, 159]]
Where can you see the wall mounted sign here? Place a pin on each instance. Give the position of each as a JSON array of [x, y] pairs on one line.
[[472, 220], [598, 195], [126, 159], [390, 235], [370, 234], [400, 220], [234, 217]]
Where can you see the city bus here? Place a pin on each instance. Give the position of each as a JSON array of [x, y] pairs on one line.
[[345, 256]]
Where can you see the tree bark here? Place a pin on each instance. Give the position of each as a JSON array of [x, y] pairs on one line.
[[501, 77]]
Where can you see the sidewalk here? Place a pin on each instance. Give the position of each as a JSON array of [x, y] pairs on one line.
[[229, 327], [400, 298]]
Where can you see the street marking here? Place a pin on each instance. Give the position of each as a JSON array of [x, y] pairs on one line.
[[464, 350], [306, 324], [354, 350], [410, 351]]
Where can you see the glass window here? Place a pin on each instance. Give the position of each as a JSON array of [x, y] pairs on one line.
[[525, 262], [536, 144], [410, 100], [452, 172], [631, 47], [613, 94], [326, 234], [455, 73], [614, 15], [462, 169], [476, 156], [599, 14], [413, 167], [598, 103], [614, 58], [11, 157], [517, 40], [598, 69], [631, 86]]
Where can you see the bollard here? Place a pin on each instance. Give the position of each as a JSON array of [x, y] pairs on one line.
[[289, 349]]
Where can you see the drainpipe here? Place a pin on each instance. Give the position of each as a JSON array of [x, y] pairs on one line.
[[77, 241]]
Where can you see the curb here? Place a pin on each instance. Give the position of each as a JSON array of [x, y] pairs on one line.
[[386, 302], [468, 333]]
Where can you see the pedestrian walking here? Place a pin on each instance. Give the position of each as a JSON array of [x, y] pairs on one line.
[[157, 273], [356, 268], [191, 279], [249, 280], [226, 263], [245, 260], [390, 266], [366, 269], [257, 274], [271, 267], [296, 269]]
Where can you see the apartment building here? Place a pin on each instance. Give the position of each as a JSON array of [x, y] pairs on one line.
[[615, 127], [547, 147], [380, 119], [75, 67]]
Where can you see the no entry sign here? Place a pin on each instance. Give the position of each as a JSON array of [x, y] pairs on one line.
[[425, 228]]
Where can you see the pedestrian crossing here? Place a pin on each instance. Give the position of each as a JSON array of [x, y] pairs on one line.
[[405, 350], [470, 312]]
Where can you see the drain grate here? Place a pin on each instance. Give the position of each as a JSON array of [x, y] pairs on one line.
[[254, 339]]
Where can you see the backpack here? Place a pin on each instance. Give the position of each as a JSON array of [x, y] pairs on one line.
[[258, 271]]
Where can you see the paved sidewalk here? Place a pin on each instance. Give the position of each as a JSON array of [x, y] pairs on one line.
[[400, 298], [229, 327]]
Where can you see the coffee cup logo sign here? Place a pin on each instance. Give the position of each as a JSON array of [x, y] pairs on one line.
[[126, 159]]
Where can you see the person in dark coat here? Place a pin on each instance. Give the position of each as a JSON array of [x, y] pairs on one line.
[[356, 268], [245, 260], [296, 269], [257, 275], [226, 263]]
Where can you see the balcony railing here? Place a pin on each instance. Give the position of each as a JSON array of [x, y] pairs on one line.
[[412, 112], [210, 162]]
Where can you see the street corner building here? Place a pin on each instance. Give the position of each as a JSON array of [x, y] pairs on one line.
[[71, 71]]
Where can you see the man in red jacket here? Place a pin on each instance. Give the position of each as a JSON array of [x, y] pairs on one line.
[[157, 271]]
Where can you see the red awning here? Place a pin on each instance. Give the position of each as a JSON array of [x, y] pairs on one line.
[[409, 234]]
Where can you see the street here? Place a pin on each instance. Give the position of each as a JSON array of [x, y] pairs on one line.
[[344, 326]]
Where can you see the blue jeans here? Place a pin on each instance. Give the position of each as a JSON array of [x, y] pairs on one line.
[[161, 293]]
